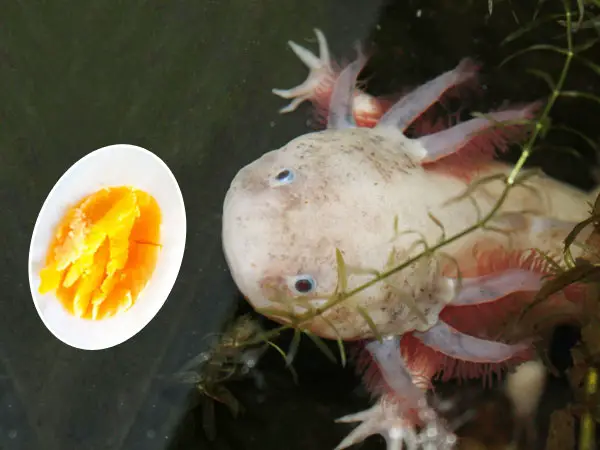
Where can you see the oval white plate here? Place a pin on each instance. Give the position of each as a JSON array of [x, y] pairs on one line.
[[115, 165]]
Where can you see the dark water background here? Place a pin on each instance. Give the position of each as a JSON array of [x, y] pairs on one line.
[[191, 81]]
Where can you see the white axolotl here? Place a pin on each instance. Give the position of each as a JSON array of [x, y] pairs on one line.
[[361, 186]]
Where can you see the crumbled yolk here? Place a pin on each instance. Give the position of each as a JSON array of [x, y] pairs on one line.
[[104, 252]]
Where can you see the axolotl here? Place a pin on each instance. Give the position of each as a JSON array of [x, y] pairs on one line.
[[363, 192]]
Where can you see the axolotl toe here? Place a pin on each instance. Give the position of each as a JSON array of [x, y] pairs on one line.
[[375, 198]]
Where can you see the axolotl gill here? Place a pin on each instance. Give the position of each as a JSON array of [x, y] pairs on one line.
[[361, 187]]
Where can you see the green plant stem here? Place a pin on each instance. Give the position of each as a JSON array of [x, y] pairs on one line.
[[587, 426]]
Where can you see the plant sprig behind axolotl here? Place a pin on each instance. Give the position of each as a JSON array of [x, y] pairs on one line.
[[586, 354], [230, 358], [308, 237]]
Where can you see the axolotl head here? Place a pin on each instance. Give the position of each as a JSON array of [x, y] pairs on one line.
[[286, 213]]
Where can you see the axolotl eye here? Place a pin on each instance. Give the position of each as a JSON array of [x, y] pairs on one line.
[[302, 284], [284, 176]]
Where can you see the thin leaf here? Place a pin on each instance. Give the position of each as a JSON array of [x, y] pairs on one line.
[[523, 30], [372, 326], [416, 244], [581, 11], [591, 253], [595, 67], [586, 45], [577, 94], [339, 340], [422, 240], [544, 76], [188, 377], [499, 123], [555, 266], [321, 346], [596, 208], [573, 235], [476, 207], [356, 270], [588, 141], [341, 272], [294, 345], [273, 312], [195, 362], [587, 24], [408, 301], [521, 180], [283, 355], [524, 175], [342, 350], [473, 186], [453, 260], [225, 373], [439, 225], [391, 259], [582, 272], [534, 48], [497, 230], [563, 149], [514, 14]]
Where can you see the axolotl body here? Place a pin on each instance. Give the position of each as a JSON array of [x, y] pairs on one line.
[[362, 192]]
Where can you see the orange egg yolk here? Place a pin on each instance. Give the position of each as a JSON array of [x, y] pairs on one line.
[[104, 252]]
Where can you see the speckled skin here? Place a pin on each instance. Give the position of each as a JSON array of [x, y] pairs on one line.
[[349, 186]]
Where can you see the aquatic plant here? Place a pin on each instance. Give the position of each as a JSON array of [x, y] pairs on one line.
[[229, 358], [586, 354]]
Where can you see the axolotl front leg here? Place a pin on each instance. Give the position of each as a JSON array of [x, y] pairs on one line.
[[404, 407], [318, 86], [395, 417]]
